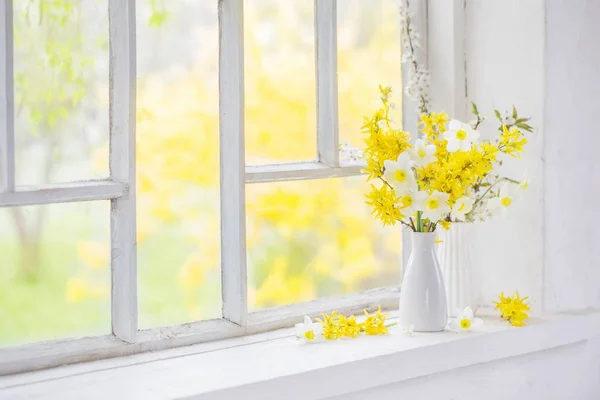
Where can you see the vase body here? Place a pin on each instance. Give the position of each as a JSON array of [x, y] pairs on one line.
[[423, 294], [455, 253]]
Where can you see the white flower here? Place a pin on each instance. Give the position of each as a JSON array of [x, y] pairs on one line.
[[350, 153], [460, 136], [408, 331], [502, 202], [422, 154], [464, 320], [507, 119], [400, 175], [309, 332], [412, 202], [525, 181], [435, 206], [462, 206]]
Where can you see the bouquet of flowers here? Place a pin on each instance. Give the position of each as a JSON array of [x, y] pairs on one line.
[[448, 174]]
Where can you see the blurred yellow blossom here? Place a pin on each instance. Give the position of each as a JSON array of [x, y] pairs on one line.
[[93, 254], [79, 289]]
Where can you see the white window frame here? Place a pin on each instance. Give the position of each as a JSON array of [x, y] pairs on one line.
[[119, 188]]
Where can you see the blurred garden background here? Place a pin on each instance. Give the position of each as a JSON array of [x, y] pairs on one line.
[[305, 239]]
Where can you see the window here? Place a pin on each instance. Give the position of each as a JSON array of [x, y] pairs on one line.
[[172, 174]]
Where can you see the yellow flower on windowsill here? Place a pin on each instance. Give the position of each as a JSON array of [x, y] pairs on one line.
[[513, 309], [336, 326]]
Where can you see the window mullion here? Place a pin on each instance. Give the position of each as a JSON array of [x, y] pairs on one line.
[[231, 128], [327, 88], [124, 311], [7, 130]]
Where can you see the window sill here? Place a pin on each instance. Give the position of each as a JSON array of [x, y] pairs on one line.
[[272, 365]]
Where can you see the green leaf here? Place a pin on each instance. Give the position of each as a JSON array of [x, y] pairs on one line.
[[474, 109], [514, 113], [497, 113], [526, 127]]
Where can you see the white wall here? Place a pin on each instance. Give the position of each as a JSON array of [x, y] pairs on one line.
[[572, 155]]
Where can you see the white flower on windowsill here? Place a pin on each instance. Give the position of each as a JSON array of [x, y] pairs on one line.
[[409, 330], [460, 136], [399, 174], [464, 321], [309, 332]]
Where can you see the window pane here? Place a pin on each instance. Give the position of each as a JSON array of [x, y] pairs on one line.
[[54, 271], [178, 162], [280, 81], [369, 54], [312, 239], [61, 90]]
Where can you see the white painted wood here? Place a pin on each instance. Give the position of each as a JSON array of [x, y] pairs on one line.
[[281, 317], [7, 126], [36, 356], [63, 193], [419, 9], [278, 369], [327, 87], [122, 168], [41, 355], [300, 171], [447, 58], [231, 128]]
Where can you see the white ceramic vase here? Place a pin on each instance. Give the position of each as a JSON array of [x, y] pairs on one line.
[[423, 294], [455, 253]]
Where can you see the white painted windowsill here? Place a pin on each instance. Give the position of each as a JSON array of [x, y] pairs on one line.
[[274, 366]]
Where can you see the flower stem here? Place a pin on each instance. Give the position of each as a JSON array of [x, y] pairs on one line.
[[419, 222], [486, 192]]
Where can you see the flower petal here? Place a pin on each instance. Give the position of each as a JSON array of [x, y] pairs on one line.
[[453, 145], [475, 322], [468, 313]]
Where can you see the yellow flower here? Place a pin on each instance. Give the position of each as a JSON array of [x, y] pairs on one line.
[[375, 324], [383, 141], [512, 141], [445, 224], [336, 325], [385, 205], [513, 309]]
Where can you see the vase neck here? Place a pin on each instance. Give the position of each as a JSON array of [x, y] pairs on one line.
[[422, 240]]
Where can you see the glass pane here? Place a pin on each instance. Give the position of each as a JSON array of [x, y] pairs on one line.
[[54, 271], [312, 239], [61, 90], [280, 81], [369, 54], [178, 162]]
